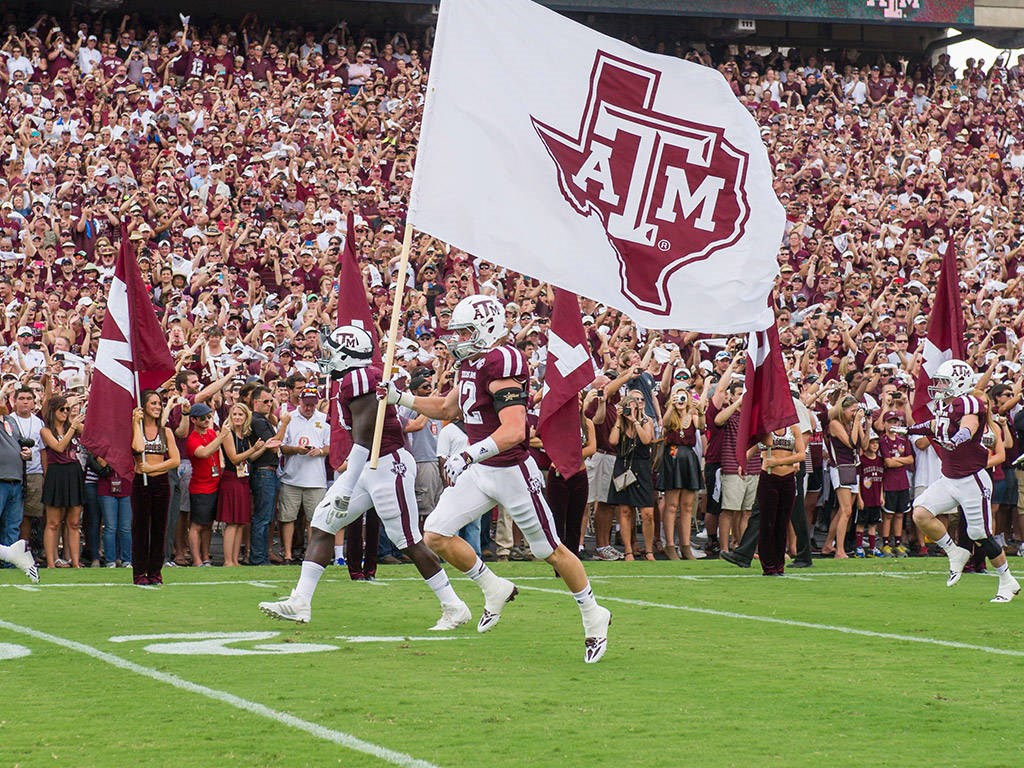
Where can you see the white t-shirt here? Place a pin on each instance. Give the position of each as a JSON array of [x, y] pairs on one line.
[[305, 471], [451, 440]]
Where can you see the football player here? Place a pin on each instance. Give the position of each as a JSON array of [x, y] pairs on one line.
[[18, 555], [496, 469], [390, 489], [956, 430]]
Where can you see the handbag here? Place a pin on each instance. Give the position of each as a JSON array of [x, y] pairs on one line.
[[847, 474], [623, 481]]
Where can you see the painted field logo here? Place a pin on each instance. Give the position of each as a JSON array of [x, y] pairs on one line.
[[668, 191]]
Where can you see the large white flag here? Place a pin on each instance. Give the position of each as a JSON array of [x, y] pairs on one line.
[[635, 179]]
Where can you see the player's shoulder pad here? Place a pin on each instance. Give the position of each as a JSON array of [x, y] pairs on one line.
[[358, 382], [506, 362], [969, 405]]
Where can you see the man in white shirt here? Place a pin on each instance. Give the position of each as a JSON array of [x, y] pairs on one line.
[[307, 441], [27, 426], [89, 55], [22, 355]]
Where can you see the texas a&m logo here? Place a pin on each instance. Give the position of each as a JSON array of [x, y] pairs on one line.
[[484, 309], [668, 191]]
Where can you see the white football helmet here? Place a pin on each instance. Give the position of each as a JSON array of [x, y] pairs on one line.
[[485, 316], [347, 347], [952, 379]]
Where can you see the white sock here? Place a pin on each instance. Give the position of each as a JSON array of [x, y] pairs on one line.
[[5, 552], [482, 575], [442, 587], [339, 552], [311, 573], [585, 599], [946, 543], [1003, 570]]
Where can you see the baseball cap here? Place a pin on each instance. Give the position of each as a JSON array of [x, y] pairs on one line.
[[24, 331], [892, 416], [723, 355], [199, 410], [310, 392]]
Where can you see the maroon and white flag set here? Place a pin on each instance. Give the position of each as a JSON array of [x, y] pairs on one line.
[[353, 309], [132, 356], [767, 400], [945, 332], [631, 178], [568, 370]]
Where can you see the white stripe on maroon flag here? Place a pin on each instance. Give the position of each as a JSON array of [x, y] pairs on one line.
[[767, 401], [945, 332], [132, 349], [635, 179], [569, 369], [353, 309]]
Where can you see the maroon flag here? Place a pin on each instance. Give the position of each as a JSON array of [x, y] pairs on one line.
[[132, 356], [569, 369], [353, 309], [945, 332], [767, 402]]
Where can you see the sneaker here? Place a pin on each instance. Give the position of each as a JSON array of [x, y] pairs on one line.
[[126, 564], [1008, 589], [494, 601], [901, 551], [111, 564], [22, 559], [452, 615], [596, 629], [608, 553], [958, 558], [876, 552], [887, 551], [521, 554], [294, 608], [860, 552], [732, 557]]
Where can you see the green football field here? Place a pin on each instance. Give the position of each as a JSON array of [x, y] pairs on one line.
[[855, 664]]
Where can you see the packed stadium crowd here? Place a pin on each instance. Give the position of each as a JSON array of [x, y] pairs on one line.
[[240, 154]]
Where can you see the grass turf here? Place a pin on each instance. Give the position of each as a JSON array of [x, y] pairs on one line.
[[708, 685]]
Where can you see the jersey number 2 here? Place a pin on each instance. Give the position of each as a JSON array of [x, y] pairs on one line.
[[467, 399]]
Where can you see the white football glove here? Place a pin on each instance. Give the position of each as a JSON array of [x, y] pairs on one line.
[[338, 509], [387, 391], [455, 466]]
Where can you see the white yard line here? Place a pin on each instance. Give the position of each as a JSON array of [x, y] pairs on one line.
[[794, 623], [340, 738]]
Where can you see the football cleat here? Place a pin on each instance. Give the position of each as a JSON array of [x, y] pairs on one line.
[[902, 551], [596, 642], [452, 615], [958, 558], [22, 559], [494, 602], [860, 552], [887, 551], [876, 552], [293, 608], [1008, 589]]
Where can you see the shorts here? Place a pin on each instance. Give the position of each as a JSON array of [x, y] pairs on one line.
[[292, 498], [517, 489], [713, 487], [739, 493], [868, 516], [973, 494], [1019, 474], [833, 476], [428, 486], [600, 467], [897, 502], [184, 478], [204, 508], [1005, 491], [33, 495], [390, 490]]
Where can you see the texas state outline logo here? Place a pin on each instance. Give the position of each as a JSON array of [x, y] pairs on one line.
[[669, 191]]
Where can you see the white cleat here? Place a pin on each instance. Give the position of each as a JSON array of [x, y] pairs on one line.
[[294, 608], [596, 642], [957, 560], [22, 559], [452, 615], [494, 602], [1007, 591]]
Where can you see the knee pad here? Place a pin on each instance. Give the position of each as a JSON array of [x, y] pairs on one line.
[[990, 547]]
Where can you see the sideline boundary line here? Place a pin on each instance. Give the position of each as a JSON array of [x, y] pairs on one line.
[[796, 623], [340, 738]]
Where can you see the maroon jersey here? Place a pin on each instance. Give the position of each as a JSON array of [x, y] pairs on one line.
[[896, 447], [364, 381], [969, 457], [477, 403], [871, 472], [713, 449]]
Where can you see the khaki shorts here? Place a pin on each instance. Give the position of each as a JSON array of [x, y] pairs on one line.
[[33, 495], [1020, 491], [600, 468], [738, 493], [291, 498]]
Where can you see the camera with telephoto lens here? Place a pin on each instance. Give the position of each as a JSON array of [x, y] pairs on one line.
[[26, 442]]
